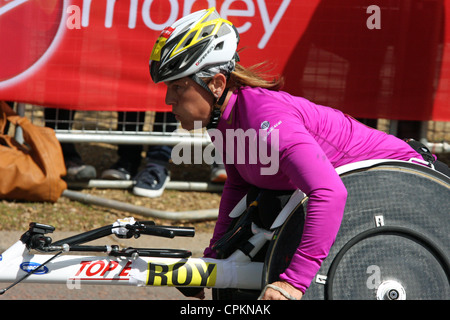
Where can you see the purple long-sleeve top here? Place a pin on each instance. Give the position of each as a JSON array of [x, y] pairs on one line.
[[306, 142]]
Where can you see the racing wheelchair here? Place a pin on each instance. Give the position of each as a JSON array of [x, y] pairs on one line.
[[393, 244]]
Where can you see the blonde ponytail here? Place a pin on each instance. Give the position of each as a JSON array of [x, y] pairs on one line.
[[254, 76]]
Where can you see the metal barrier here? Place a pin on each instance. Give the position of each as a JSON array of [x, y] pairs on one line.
[[437, 136], [101, 126]]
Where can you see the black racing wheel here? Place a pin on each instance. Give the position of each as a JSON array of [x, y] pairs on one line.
[[393, 243]]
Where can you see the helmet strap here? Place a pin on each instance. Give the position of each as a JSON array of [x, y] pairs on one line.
[[214, 119], [201, 83], [216, 112]]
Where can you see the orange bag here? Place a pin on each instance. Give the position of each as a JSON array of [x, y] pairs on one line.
[[32, 171]]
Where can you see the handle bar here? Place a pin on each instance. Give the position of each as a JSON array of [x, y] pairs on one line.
[[136, 229], [86, 236], [169, 231]]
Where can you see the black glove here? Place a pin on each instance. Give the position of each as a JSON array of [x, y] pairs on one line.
[[189, 291]]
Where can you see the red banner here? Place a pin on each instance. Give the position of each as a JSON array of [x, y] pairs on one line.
[[371, 59]]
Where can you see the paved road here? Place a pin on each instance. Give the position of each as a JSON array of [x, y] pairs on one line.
[[33, 291]]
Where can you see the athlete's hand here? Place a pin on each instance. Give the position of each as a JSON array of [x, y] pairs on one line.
[[200, 295], [272, 294]]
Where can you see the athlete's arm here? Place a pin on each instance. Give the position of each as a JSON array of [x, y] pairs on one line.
[[306, 164]]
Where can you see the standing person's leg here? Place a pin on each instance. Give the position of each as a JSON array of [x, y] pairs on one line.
[[152, 180], [77, 170], [129, 155]]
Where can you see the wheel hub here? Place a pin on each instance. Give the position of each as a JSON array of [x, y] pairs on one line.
[[391, 290]]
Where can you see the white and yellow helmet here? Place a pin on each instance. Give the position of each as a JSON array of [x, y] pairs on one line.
[[196, 42]]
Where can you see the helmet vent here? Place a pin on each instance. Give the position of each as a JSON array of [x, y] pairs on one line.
[[219, 46], [188, 40], [223, 30], [206, 31]]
